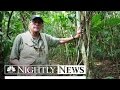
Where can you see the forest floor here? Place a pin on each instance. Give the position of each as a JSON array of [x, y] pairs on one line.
[[102, 69], [106, 69]]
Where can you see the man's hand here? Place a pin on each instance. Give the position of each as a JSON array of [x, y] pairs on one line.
[[79, 32]]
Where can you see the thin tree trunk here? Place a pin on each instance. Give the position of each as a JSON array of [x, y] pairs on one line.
[[88, 16], [79, 61], [8, 25], [23, 20], [85, 39], [83, 51]]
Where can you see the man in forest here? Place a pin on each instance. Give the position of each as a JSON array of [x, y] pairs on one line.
[[31, 47]]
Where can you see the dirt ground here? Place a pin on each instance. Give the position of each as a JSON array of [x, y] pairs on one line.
[[106, 69]]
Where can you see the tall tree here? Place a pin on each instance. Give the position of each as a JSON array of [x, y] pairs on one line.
[[85, 38]]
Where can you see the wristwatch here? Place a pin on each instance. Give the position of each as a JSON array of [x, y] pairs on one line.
[[73, 36]]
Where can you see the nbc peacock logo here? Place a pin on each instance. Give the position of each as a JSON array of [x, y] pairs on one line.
[[10, 69]]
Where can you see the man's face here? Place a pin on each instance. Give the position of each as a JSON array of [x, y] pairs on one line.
[[36, 25]]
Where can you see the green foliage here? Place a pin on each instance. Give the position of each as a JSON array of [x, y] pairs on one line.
[[1, 33], [105, 36], [6, 48]]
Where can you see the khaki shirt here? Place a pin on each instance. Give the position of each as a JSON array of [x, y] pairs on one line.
[[22, 52]]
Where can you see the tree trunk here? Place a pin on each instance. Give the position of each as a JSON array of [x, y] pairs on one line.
[[79, 61], [23, 20], [8, 25], [85, 39]]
